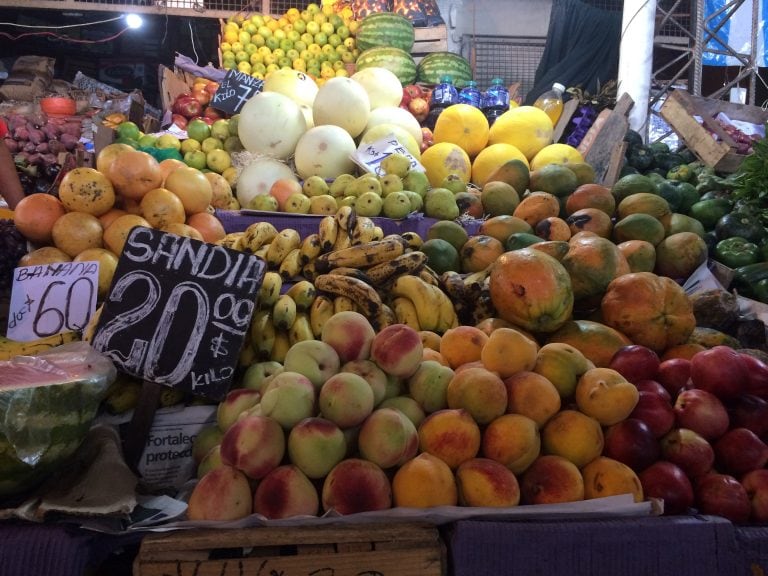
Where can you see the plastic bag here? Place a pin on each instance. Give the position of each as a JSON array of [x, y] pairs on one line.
[[421, 13], [47, 405]]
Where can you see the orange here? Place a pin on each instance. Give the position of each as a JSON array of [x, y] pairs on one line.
[[133, 173], [444, 158], [525, 127], [108, 217], [160, 207], [116, 233], [35, 216], [86, 189], [424, 482], [169, 165], [77, 231], [509, 351], [108, 153], [463, 125], [491, 158], [192, 187], [462, 344]]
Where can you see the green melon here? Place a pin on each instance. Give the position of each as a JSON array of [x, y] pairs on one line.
[[438, 64], [397, 61], [385, 29]]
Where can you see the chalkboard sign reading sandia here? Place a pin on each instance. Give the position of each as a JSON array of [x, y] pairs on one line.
[[234, 90], [178, 311]]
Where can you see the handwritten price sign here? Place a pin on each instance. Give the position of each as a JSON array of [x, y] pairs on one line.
[[235, 89], [178, 311], [52, 298]]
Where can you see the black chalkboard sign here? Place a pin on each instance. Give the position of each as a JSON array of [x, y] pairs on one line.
[[178, 311], [235, 89]]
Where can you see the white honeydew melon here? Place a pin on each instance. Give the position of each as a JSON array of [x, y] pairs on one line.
[[403, 136], [307, 111], [396, 115], [257, 178], [271, 123], [324, 151], [298, 86], [383, 87], [342, 102]]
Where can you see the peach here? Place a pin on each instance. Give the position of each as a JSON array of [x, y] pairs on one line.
[[286, 492], [211, 460], [490, 324], [315, 445], [509, 351], [346, 399], [356, 485], [289, 397], [253, 444], [451, 435], [424, 482], [429, 385], [395, 386], [429, 354], [407, 406], [350, 334], [372, 374], [208, 437], [606, 395], [317, 360], [551, 479], [478, 391], [563, 365], [608, 477], [397, 350], [234, 404], [512, 440], [256, 375], [462, 344], [224, 493], [430, 339], [532, 395], [574, 436], [485, 482], [388, 438]]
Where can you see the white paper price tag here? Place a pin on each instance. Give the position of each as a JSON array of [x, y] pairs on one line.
[[369, 156], [52, 298]]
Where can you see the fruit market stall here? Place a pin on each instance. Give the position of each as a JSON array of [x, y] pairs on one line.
[[465, 321]]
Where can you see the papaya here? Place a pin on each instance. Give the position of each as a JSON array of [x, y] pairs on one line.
[[640, 255], [556, 179], [592, 262], [631, 184], [500, 227], [638, 226], [597, 341], [536, 206], [553, 228], [591, 219], [591, 196], [676, 222], [555, 248], [678, 255], [514, 172], [645, 202], [479, 252]]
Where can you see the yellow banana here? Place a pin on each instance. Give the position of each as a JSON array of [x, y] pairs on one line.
[[352, 272], [422, 296], [310, 248], [284, 312], [281, 347], [413, 239], [170, 396], [328, 229], [343, 304], [385, 317], [342, 240], [446, 313], [363, 230], [309, 270], [247, 357], [346, 217], [300, 329], [262, 251], [290, 267], [231, 240], [319, 313], [90, 327], [262, 334], [407, 263], [123, 397], [362, 255], [483, 308], [303, 293], [361, 293], [270, 289], [258, 234], [453, 284], [428, 275], [10, 348], [285, 241], [378, 233], [405, 312]]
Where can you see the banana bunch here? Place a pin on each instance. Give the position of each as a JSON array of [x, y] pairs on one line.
[[10, 348], [470, 294]]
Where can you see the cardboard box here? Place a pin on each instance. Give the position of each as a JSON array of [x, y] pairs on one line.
[[402, 549], [680, 110], [172, 83]]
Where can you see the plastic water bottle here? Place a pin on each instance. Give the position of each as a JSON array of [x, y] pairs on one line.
[[444, 95], [551, 102], [496, 100], [470, 94]]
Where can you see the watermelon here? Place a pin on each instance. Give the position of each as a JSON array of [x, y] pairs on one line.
[[434, 66], [385, 29], [397, 61], [46, 410]]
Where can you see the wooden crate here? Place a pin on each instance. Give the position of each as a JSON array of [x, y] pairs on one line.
[[172, 83], [402, 549], [428, 40], [679, 111]]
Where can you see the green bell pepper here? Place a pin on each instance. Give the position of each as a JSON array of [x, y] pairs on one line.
[[760, 290], [737, 251]]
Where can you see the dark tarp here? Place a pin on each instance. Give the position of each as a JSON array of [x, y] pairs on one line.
[[582, 48]]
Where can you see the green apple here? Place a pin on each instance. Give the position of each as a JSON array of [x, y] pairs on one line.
[[212, 143], [189, 145], [218, 160], [220, 129], [198, 129], [195, 159], [168, 141]]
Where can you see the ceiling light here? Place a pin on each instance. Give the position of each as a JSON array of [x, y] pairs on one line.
[[134, 21]]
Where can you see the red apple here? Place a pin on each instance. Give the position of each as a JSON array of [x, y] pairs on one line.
[[405, 100], [211, 87], [702, 412], [675, 375], [631, 442], [739, 451], [413, 91], [757, 376], [180, 121], [187, 106], [656, 411], [751, 412], [667, 481], [719, 370], [635, 362], [723, 495], [688, 450], [419, 108], [211, 112], [201, 95], [756, 485], [654, 387]]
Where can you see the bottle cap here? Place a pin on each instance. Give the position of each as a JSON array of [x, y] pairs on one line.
[[497, 81], [447, 78], [471, 84], [559, 87]]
